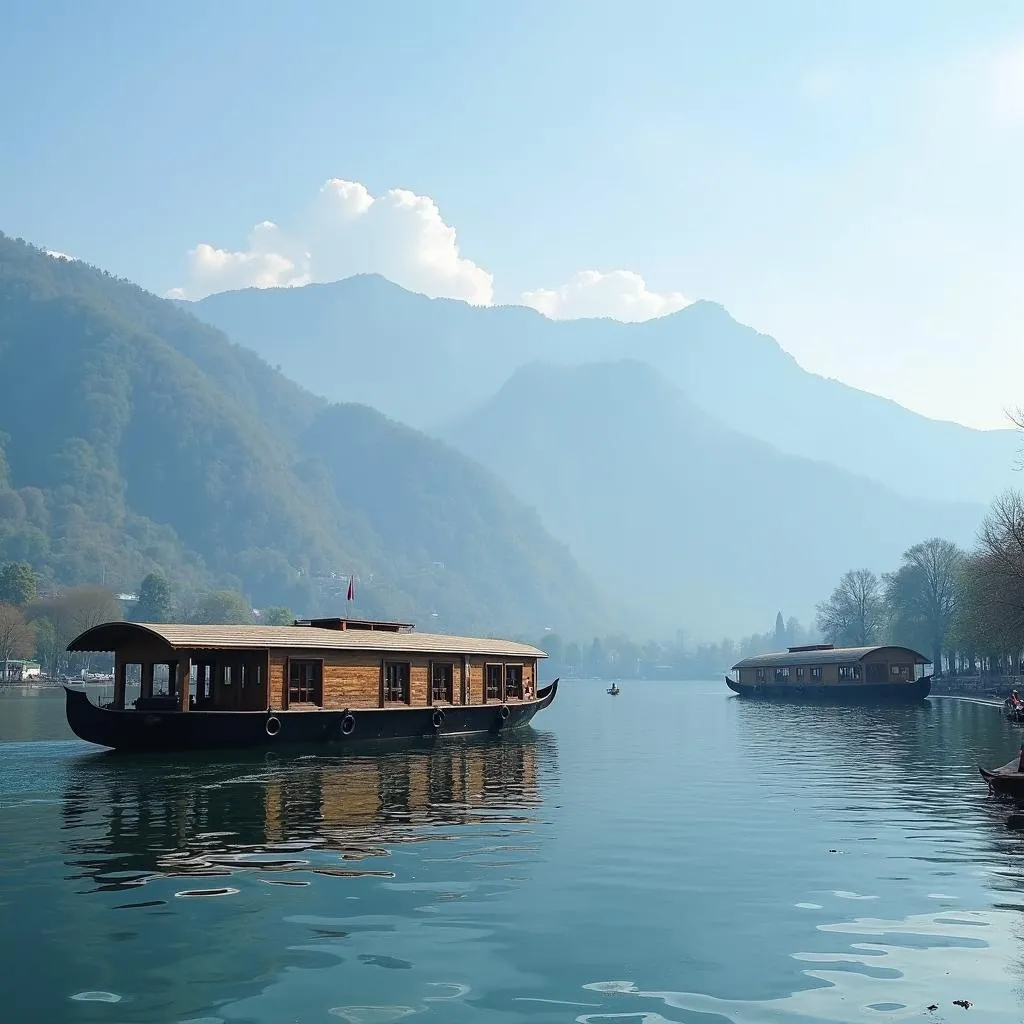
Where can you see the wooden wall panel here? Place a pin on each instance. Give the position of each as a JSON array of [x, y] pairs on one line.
[[419, 681], [277, 680], [353, 679], [353, 683]]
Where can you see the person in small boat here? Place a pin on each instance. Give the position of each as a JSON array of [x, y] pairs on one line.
[[1015, 702]]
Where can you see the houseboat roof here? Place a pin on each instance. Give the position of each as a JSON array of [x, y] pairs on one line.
[[824, 654], [112, 636]]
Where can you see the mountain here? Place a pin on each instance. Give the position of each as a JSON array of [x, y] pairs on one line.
[[136, 437], [442, 357], [714, 529]]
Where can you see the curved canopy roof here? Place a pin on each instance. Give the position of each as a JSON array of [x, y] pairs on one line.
[[827, 656], [113, 636]]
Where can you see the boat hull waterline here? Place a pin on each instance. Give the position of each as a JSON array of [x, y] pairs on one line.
[[143, 731], [833, 693]]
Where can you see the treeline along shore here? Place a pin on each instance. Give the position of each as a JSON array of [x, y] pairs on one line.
[[963, 609]]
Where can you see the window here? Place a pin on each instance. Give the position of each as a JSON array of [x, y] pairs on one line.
[[441, 682], [800, 674], [816, 672], [759, 675], [396, 682], [305, 680], [513, 682], [492, 684], [900, 671], [782, 675], [850, 671]]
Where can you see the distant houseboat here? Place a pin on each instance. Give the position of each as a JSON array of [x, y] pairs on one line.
[[822, 672], [317, 681]]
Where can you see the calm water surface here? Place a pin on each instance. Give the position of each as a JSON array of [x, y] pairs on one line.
[[671, 854]]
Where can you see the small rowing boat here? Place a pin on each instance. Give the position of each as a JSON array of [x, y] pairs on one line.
[[1007, 781]]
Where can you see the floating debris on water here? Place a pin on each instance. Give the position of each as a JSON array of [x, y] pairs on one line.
[[225, 891]]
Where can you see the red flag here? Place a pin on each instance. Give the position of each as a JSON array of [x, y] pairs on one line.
[[351, 588]]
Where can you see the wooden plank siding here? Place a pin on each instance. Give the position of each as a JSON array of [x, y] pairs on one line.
[[356, 680], [830, 672], [349, 679]]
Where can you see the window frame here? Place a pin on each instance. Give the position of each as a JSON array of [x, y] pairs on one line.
[[817, 672], [799, 673], [404, 684], [522, 675], [759, 675], [499, 694], [318, 684], [782, 674], [450, 686]]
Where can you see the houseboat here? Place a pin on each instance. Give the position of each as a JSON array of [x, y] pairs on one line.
[[823, 672], [338, 681]]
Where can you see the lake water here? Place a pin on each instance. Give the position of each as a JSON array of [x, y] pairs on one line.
[[670, 854]]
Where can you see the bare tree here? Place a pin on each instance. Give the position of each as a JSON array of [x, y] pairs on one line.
[[17, 637], [1016, 417], [61, 619], [854, 614], [995, 578], [922, 595]]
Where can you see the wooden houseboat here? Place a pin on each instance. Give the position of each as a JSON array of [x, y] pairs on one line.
[[318, 681], [822, 672]]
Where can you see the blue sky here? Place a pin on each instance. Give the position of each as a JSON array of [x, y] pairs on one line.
[[844, 176]]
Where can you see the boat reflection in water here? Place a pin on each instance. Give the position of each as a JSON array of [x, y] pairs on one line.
[[131, 823]]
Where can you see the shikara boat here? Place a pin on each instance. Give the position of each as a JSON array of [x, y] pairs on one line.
[[823, 672], [1007, 781], [319, 681]]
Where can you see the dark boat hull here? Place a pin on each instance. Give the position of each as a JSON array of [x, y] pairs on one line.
[[144, 731], [1005, 781], [833, 693]]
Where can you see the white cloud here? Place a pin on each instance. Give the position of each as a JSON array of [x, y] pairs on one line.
[[619, 294], [403, 237], [347, 231]]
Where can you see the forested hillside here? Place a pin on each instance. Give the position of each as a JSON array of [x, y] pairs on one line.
[[135, 438]]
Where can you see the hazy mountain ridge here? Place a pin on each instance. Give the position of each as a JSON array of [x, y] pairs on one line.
[[442, 357], [136, 436], [711, 528]]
